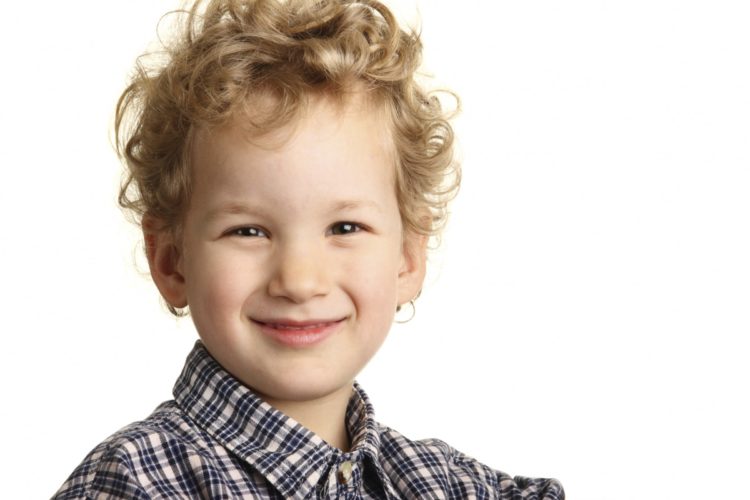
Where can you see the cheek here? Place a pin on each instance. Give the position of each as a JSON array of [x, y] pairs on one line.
[[217, 284], [376, 285]]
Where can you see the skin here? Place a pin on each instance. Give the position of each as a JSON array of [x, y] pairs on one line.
[[299, 224]]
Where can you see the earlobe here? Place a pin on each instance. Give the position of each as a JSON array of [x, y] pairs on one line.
[[164, 262]]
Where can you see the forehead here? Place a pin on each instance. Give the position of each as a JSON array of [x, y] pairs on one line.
[[331, 145], [257, 123]]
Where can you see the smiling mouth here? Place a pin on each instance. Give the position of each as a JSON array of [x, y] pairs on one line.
[[298, 333]]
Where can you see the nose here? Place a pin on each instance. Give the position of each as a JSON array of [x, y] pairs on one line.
[[299, 274]]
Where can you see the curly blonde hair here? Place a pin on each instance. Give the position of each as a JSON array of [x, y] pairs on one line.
[[230, 53]]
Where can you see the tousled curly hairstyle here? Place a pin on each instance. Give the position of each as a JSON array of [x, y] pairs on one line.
[[229, 53]]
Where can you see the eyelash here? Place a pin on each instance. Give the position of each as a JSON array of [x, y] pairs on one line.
[[252, 231]]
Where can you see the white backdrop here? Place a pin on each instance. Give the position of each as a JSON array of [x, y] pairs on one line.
[[585, 319]]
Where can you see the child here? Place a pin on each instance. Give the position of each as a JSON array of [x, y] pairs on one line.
[[287, 172]]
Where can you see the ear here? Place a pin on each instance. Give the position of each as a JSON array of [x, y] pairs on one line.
[[164, 261], [413, 266]]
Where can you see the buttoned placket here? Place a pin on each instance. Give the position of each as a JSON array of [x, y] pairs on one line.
[[344, 478]]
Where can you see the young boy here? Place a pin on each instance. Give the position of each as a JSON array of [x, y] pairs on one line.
[[287, 172]]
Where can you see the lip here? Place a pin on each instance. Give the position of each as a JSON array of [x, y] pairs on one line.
[[292, 333]]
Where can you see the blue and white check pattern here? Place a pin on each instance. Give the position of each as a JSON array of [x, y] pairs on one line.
[[218, 440]]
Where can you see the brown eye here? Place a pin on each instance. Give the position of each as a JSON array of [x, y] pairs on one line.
[[248, 231], [341, 228]]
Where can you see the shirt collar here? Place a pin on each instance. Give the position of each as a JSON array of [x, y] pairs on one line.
[[291, 457]]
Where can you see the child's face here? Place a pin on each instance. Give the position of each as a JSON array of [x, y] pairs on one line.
[[301, 230]]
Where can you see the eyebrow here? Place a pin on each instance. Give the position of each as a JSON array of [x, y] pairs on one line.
[[235, 208], [343, 205]]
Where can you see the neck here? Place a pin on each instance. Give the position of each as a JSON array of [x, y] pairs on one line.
[[325, 416]]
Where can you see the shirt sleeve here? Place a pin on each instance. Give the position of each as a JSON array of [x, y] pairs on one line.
[[503, 485], [106, 473]]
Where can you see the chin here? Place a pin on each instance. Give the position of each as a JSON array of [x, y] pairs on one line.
[[303, 388]]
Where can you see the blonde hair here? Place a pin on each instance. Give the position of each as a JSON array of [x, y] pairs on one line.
[[230, 54]]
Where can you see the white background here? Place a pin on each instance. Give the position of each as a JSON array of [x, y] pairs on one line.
[[586, 317]]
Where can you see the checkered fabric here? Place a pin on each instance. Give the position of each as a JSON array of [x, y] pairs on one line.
[[218, 440]]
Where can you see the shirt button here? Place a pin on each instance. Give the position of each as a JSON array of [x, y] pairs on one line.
[[345, 472]]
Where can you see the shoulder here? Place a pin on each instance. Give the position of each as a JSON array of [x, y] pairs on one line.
[[431, 468], [141, 459]]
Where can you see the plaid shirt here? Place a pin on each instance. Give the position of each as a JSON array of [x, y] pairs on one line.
[[217, 439]]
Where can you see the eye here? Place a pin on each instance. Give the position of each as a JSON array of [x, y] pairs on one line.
[[248, 231], [341, 228]]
